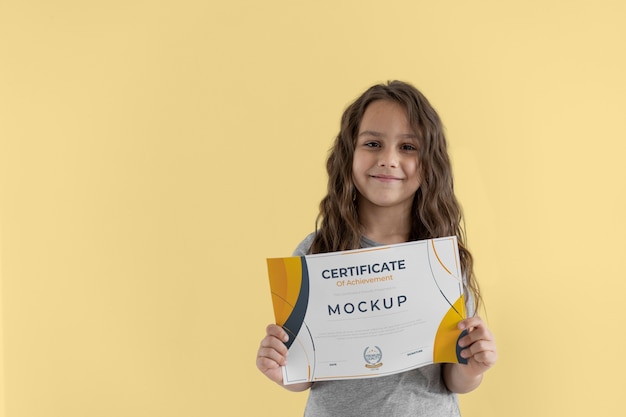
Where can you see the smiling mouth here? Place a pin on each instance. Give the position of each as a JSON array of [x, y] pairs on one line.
[[386, 177]]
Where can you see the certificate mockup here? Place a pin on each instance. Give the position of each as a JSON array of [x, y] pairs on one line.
[[369, 312]]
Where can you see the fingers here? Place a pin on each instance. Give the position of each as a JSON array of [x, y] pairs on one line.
[[272, 353], [476, 330], [481, 351], [271, 358], [470, 322], [277, 331], [265, 364], [479, 343]]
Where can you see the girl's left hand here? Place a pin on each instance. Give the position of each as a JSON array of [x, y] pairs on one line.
[[479, 346]]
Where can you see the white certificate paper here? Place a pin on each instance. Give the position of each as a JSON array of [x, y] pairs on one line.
[[369, 312]]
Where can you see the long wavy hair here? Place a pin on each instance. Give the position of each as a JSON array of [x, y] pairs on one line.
[[435, 212]]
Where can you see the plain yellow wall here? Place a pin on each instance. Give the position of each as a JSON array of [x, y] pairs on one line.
[[153, 154]]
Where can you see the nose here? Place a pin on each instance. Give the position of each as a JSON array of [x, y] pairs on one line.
[[388, 158]]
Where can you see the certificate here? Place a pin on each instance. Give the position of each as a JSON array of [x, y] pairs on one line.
[[369, 312]]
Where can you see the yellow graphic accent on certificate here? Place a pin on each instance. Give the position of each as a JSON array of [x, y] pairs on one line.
[[370, 312]]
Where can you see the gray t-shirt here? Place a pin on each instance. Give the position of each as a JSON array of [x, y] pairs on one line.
[[419, 392]]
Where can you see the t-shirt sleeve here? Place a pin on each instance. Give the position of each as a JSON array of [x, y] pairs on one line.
[[304, 246]]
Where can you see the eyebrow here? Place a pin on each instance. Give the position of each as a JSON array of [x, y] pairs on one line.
[[379, 134]]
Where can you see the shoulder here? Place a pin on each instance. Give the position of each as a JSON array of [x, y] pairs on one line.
[[304, 246]]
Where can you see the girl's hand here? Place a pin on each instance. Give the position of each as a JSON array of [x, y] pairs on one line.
[[479, 345], [479, 348], [272, 353]]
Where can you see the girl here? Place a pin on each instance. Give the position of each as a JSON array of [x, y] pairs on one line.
[[390, 181]]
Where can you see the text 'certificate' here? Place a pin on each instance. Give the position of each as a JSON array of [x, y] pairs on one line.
[[369, 312]]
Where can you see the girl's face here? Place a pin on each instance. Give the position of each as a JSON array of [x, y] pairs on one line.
[[386, 168]]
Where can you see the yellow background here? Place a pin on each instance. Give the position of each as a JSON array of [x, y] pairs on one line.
[[154, 153]]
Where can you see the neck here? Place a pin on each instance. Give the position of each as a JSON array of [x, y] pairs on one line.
[[385, 225]]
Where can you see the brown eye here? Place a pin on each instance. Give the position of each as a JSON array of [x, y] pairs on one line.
[[372, 144]]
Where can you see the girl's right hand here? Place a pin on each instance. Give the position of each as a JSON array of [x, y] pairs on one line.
[[272, 353]]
